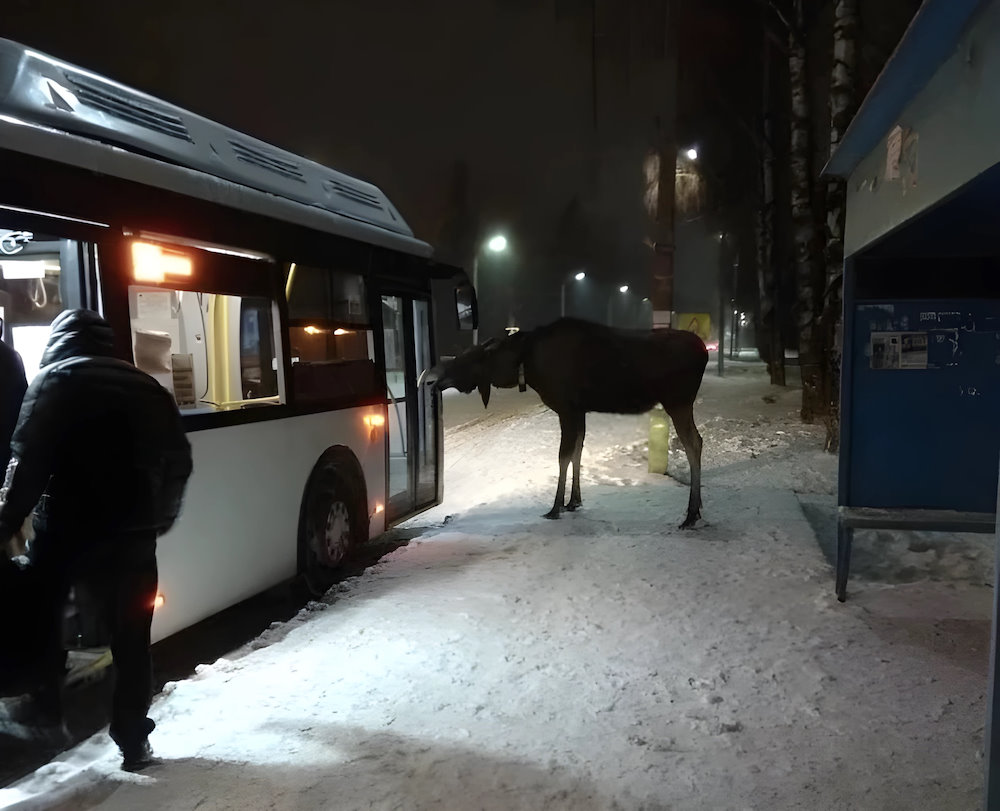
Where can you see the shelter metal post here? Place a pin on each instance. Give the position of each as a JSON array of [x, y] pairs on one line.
[[991, 801]]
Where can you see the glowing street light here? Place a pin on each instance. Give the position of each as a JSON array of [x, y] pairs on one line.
[[579, 276], [691, 153], [611, 304], [496, 244]]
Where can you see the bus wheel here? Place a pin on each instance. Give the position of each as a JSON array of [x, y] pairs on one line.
[[334, 526]]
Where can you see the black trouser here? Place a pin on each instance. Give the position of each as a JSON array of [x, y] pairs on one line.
[[23, 630], [122, 580]]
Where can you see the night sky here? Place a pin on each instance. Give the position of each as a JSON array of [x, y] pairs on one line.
[[474, 116]]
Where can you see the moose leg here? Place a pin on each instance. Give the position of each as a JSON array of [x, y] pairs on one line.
[[568, 426], [575, 499], [683, 419]]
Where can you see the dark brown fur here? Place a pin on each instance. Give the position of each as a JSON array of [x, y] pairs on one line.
[[578, 366]]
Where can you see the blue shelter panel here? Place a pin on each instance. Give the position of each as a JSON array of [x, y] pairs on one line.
[[925, 402]]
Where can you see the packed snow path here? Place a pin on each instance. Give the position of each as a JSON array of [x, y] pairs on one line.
[[607, 660]]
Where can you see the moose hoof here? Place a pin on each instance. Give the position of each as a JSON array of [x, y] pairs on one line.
[[690, 521], [573, 506], [553, 513]]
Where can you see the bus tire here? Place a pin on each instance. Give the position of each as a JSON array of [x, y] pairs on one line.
[[334, 520]]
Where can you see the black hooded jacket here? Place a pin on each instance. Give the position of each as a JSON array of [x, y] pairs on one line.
[[99, 445]]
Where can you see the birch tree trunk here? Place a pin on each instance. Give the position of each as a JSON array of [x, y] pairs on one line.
[[808, 272], [842, 107]]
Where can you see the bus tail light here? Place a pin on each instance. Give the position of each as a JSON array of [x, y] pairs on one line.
[[374, 423]]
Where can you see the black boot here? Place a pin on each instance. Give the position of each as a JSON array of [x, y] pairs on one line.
[[137, 756]]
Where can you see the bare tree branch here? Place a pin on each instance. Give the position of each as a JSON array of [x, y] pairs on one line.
[[778, 36], [781, 16]]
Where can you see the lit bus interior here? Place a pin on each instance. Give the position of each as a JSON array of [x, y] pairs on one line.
[[31, 292], [330, 335], [213, 351], [218, 352]]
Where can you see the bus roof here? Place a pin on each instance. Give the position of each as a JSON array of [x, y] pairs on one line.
[[55, 110]]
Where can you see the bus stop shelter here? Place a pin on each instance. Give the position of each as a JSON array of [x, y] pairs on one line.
[[920, 384]]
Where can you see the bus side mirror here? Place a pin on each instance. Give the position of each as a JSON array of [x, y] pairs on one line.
[[466, 307]]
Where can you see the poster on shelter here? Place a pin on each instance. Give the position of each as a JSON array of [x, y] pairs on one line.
[[899, 350], [885, 350], [908, 160], [913, 350], [893, 147]]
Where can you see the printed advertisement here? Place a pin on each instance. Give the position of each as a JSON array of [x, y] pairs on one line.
[[899, 350], [698, 323]]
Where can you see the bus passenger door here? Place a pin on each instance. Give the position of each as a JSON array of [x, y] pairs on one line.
[[413, 418]]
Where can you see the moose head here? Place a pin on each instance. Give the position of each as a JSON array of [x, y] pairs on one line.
[[493, 363]]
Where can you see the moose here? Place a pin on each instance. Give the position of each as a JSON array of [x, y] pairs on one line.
[[578, 366]]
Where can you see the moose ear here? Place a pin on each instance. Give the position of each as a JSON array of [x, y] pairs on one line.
[[484, 392]]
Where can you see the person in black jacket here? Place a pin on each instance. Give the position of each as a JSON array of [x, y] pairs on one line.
[[13, 384], [100, 449]]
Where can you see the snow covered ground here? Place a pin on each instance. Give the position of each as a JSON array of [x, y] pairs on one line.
[[607, 660]]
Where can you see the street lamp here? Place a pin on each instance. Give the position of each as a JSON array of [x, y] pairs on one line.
[[579, 276], [691, 153], [623, 290], [496, 244]]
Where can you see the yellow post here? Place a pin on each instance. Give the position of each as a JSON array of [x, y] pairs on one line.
[[659, 422], [659, 440]]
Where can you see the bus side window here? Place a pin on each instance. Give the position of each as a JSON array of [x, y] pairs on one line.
[[34, 269], [330, 335], [258, 361], [212, 351]]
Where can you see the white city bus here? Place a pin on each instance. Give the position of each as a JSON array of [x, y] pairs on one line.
[[287, 306]]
